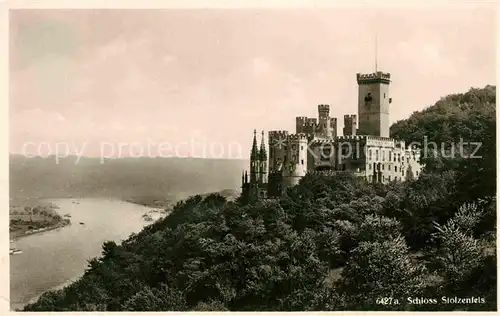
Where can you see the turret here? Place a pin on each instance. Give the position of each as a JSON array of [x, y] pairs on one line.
[[254, 160], [350, 124], [263, 161], [324, 127]]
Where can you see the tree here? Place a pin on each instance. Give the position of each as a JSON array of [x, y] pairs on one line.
[[380, 269]]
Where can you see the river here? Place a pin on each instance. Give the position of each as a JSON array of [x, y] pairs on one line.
[[54, 258]]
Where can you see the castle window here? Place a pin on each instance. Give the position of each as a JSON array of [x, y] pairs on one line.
[[394, 157], [383, 155], [384, 95], [389, 178], [403, 173], [396, 168], [382, 167], [376, 154], [369, 167], [390, 156], [301, 147], [302, 161]]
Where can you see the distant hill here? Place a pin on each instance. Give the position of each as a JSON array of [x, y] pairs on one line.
[[126, 178]]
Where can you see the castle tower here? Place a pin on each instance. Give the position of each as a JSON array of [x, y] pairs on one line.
[[300, 123], [350, 124], [277, 157], [295, 166], [254, 160], [333, 124], [324, 120], [277, 150], [373, 103], [263, 161]]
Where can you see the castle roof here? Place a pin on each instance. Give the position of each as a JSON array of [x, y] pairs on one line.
[[255, 151], [262, 153]]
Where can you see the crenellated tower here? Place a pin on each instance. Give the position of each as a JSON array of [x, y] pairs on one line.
[[350, 123], [373, 103], [295, 164]]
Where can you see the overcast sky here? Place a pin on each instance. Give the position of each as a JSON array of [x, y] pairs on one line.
[[168, 76]]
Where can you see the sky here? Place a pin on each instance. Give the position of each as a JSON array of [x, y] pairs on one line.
[[197, 82]]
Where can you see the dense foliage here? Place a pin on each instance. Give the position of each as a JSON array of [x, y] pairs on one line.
[[331, 243]]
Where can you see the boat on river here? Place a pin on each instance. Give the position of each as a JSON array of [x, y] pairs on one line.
[[15, 251]]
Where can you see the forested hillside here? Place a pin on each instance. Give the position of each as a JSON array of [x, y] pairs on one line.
[[331, 243]]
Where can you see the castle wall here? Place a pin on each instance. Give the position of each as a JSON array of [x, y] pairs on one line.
[[278, 141], [322, 155], [351, 153]]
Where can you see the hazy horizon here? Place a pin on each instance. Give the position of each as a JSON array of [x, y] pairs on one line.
[[171, 76]]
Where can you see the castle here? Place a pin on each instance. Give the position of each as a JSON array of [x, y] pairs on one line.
[[366, 151]]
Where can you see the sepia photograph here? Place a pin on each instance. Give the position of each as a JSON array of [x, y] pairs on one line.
[[256, 159]]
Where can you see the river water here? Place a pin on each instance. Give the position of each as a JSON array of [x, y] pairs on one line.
[[54, 258]]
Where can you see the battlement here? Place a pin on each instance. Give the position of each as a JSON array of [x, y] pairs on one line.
[[322, 141], [311, 124], [332, 173], [350, 118], [375, 77], [298, 137], [351, 138], [323, 108], [380, 138], [278, 134]]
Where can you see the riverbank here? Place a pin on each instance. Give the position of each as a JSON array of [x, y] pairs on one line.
[[23, 233], [56, 258], [167, 203], [33, 216], [151, 201]]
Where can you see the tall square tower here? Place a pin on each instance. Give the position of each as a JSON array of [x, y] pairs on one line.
[[373, 103]]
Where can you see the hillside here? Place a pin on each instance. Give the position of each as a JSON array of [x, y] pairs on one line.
[[331, 243], [127, 178], [468, 117]]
